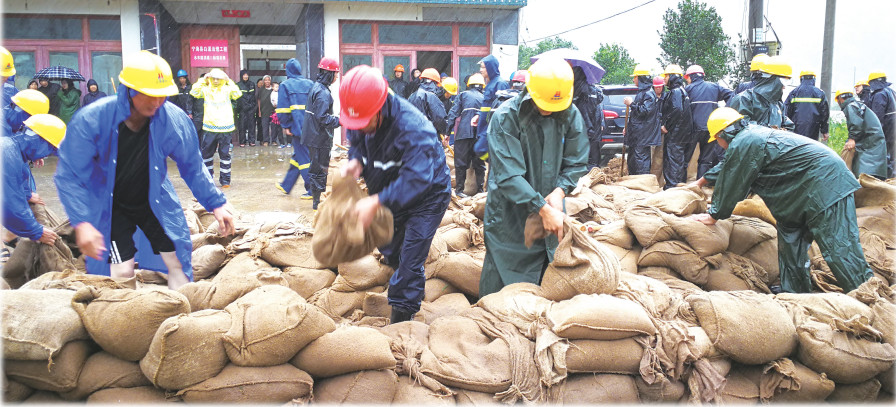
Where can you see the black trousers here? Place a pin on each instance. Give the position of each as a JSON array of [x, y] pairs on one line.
[[219, 142], [638, 160], [710, 153], [266, 129], [464, 157], [594, 152], [675, 163], [246, 127]]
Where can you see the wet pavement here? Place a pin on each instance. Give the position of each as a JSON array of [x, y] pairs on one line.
[[255, 171]]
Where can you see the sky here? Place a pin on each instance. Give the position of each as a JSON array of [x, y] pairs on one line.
[[864, 35]]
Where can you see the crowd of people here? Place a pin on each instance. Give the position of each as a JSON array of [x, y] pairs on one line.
[[538, 133]]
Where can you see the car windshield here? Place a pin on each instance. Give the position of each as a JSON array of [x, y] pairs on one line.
[[615, 99]]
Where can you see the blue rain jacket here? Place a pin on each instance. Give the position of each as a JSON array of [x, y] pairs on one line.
[[426, 101], [9, 90], [85, 175], [807, 106], [644, 120], [15, 119], [883, 103], [495, 84], [21, 147], [704, 99], [292, 97]]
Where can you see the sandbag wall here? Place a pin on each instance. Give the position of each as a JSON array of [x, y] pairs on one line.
[[264, 322]]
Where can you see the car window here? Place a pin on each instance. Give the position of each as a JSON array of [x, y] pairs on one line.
[[614, 99]]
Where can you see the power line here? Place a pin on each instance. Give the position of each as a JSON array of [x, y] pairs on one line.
[[592, 23]]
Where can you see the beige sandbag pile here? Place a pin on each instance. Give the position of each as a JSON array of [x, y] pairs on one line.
[[38, 323], [31, 259], [581, 266]]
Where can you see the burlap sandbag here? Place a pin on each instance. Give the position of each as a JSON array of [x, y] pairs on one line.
[[338, 236], [473, 398], [37, 323], [74, 280], [239, 384], [738, 389], [754, 208], [648, 225], [123, 322], [747, 232], [270, 325], [461, 355], [376, 305], [581, 266], [449, 304], [410, 392], [880, 221], [706, 240], [366, 387], [679, 201], [42, 397], [885, 320], [31, 259], [824, 307], [621, 356], [521, 304], [792, 382], [129, 395], [103, 371], [14, 392], [307, 281], [844, 357], [199, 294], [874, 192], [362, 274], [615, 233], [436, 287], [679, 257], [338, 304], [765, 255], [437, 249], [586, 388], [847, 155], [240, 276], [644, 182], [628, 258], [654, 296], [730, 320], [599, 317], [887, 379], [187, 349], [663, 390], [730, 272], [59, 376], [458, 239], [415, 330], [864, 392], [459, 269], [347, 349], [207, 260]]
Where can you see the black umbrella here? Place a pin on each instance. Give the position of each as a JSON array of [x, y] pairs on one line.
[[59, 72]]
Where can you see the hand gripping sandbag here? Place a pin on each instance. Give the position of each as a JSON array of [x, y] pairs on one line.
[[338, 237]]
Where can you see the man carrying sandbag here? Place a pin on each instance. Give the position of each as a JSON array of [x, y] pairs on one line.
[[112, 174], [538, 150], [807, 188], [397, 151], [865, 137]]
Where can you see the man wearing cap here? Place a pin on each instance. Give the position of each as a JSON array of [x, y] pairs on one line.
[[490, 71], [112, 174], [427, 100], [7, 70], [807, 107], [865, 136], [807, 188], [217, 121], [397, 84], [675, 115], [317, 130], [883, 103], [538, 149], [468, 104], [705, 98], [396, 149], [643, 131], [291, 100]]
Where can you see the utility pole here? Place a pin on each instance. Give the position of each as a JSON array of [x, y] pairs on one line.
[[756, 29], [827, 51]]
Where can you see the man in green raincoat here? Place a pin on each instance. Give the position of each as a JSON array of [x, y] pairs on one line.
[[538, 150], [865, 136], [807, 188]]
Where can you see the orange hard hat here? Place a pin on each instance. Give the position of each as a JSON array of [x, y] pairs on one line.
[[398, 68], [432, 74]]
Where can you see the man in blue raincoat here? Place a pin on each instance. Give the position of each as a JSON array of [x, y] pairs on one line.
[[865, 136], [705, 97], [426, 99], [38, 138], [291, 100], [644, 125], [397, 151], [112, 174], [468, 104], [7, 73], [317, 130], [489, 69], [807, 106], [883, 103]]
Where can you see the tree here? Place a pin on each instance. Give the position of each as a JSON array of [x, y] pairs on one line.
[[545, 45], [693, 35], [614, 58]]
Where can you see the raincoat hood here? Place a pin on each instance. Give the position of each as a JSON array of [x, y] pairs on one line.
[[675, 81], [644, 83], [325, 77], [429, 86], [91, 83], [71, 86], [293, 68], [580, 83], [33, 147], [491, 67], [878, 84], [770, 89], [847, 99], [243, 72], [808, 81], [742, 124]]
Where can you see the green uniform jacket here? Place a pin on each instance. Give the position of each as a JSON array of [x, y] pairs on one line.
[[796, 176], [68, 104], [865, 129], [530, 156]]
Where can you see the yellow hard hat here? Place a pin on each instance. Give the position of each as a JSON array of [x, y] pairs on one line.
[[872, 76], [550, 84], [148, 74], [48, 127], [9, 66], [719, 119], [450, 85], [476, 79], [862, 83], [757, 61], [32, 101], [640, 71], [776, 66], [843, 91], [673, 69], [807, 73]]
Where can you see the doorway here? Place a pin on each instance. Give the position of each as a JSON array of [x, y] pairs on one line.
[[440, 60]]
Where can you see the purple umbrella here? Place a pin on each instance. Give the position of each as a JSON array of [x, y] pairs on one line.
[[593, 71]]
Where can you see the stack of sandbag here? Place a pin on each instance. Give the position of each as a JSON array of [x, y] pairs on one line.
[[31, 259]]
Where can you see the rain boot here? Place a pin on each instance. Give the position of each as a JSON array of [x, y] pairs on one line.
[[460, 178], [400, 315], [315, 199]]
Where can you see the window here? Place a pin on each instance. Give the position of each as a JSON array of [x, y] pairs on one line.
[[356, 34], [415, 34], [389, 62], [351, 61], [472, 36], [25, 68], [105, 29], [66, 59], [257, 65], [57, 28], [106, 65], [468, 66]]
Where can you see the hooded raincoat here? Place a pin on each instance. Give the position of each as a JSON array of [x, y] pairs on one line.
[[587, 99], [317, 132], [426, 100], [495, 84], [676, 118], [9, 90], [871, 149], [808, 189], [531, 155], [807, 106], [467, 106], [91, 97], [21, 147], [755, 75], [85, 176], [291, 100], [218, 115], [69, 101], [643, 127], [883, 103]]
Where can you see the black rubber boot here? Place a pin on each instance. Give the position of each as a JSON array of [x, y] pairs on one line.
[[400, 315], [315, 200], [460, 179]]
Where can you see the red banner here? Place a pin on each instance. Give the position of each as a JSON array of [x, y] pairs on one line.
[[208, 53]]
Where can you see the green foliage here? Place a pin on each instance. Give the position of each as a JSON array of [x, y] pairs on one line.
[[693, 34], [618, 63], [837, 134], [545, 45]]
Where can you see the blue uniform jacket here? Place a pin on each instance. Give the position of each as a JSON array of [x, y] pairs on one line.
[[704, 99], [495, 84], [292, 97], [403, 161], [9, 90], [18, 149], [807, 107], [85, 176], [883, 103]]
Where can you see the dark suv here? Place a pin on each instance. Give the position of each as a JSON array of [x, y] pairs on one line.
[[614, 114]]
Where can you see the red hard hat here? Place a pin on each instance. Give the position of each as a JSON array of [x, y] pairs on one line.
[[520, 76], [329, 64], [658, 81], [694, 69], [361, 95], [398, 68]]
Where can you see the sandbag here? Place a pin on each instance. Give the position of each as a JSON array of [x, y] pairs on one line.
[[338, 236], [615, 233], [598, 388], [199, 294], [436, 287], [792, 382], [270, 325], [366, 387], [765, 255], [338, 304], [102, 371], [187, 349], [123, 322], [362, 274], [193, 223], [679, 201], [459, 269], [59, 376], [874, 192], [754, 208], [42, 397], [621, 356], [207, 260], [290, 250], [461, 355], [824, 307], [661, 391], [307, 281], [241, 275], [628, 258], [38, 323], [643, 182], [600, 317], [347, 349], [410, 392], [75, 280], [129, 395], [14, 391], [581, 266], [730, 272], [885, 320], [521, 304], [729, 319], [654, 296], [706, 240], [844, 357], [437, 249], [747, 232], [239, 384], [864, 392], [738, 389], [649, 225], [449, 304], [679, 257], [458, 239]]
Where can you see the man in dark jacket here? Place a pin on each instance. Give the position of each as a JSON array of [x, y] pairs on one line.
[[247, 109], [291, 100], [198, 111], [397, 84], [93, 93], [317, 130], [755, 63], [863, 92], [183, 99], [397, 151], [52, 91], [459, 122], [705, 97], [427, 100], [865, 136], [676, 125], [643, 130], [807, 107], [588, 99], [883, 104], [265, 109], [489, 69]]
